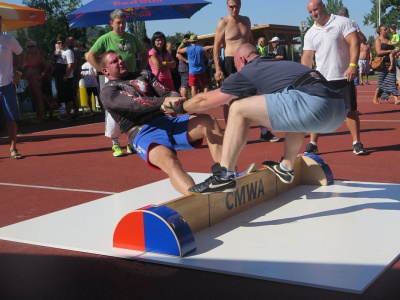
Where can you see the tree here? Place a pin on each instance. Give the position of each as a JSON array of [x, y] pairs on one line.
[[177, 38], [56, 24], [332, 7], [390, 13]]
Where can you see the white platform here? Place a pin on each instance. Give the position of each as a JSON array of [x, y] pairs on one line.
[[339, 237]]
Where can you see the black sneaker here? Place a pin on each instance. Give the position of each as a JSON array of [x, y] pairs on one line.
[[215, 183], [284, 176], [358, 148], [269, 137], [311, 148]]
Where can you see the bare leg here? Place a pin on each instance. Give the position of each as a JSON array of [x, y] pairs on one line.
[[203, 125], [12, 134], [194, 91], [353, 123], [376, 100], [184, 92], [241, 114], [293, 142], [314, 137], [35, 91], [167, 161]]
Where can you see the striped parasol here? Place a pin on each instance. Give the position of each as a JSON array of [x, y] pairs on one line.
[[16, 17]]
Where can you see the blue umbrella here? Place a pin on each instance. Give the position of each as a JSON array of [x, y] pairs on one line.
[[97, 12]]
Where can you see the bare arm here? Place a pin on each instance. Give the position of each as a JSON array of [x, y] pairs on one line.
[[21, 61], [144, 54], [218, 41], [156, 64], [181, 57], [378, 48], [92, 59], [204, 101], [182, 48], [352, 40], [307, 58]]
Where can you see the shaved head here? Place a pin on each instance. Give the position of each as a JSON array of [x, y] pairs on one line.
[[317, 11], [244, 54]]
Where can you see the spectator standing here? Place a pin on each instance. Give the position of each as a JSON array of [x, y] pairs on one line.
[[336, 54], [126, 45], [198, 79], [90, 76], [76, 74], [36, 68], [64, 76], [232, 31], [278, 51], [9, 78], [183, 69], [160, 60], [364, 61], [261, 43], [386, 75]]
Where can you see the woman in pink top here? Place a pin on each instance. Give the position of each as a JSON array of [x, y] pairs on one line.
[[160, 60]]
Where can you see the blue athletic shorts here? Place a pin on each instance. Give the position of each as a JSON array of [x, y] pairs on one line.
[[9, 103], [295, 111], [166, 131]]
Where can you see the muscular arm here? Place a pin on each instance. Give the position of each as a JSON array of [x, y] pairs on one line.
[[218, 41], [92, 59], [352, 40], [307, 58], [204, 101]]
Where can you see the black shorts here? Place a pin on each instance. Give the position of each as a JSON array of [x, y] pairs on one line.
[[46, 87], [92, 90], [347, 90], [228, 67]]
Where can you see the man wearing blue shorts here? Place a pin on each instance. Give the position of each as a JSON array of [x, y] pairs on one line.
[[292, 98], [8, 79], [134, 101]]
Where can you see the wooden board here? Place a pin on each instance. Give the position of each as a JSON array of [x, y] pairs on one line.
[[252, 190]]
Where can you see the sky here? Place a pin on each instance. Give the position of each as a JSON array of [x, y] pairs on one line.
[[260, 12]]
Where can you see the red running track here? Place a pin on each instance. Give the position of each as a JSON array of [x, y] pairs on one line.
[[79, 157]]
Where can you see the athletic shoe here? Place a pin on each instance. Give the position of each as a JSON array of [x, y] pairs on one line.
[[311, 148], [358, 148], [117, 151], [130, 150], [250, 169], [215, 183], [367, 83], [283, 175], [269, 137]]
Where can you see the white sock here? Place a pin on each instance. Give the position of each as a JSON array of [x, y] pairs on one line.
[[314, 143], [115, 142]]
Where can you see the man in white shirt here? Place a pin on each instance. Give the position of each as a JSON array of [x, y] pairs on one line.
[[64, 76], [8, 80], [334, 41]]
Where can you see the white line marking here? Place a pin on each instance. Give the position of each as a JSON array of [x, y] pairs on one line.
[[22, 134], [391, 121], [58, 189]]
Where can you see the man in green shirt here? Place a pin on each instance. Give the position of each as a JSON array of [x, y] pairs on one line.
[[126, 45]]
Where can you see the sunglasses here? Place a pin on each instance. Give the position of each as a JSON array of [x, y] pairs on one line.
[[31, 46], [233, 6], [60, 43]]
